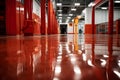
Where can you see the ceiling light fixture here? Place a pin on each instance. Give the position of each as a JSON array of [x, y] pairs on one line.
[[59, 4], [59, 14], [73, 9], [59, 10], [60, 17], [70, 14], [77, 4], [117, 1], [104, 8], [68, 17]]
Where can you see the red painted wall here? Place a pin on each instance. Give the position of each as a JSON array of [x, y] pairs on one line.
[[11, 28], [21, 23], [52, 21], [88, 28], [118, 27]]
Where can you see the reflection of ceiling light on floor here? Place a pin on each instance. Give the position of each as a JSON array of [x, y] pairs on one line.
[[106, 56], [117, 73]]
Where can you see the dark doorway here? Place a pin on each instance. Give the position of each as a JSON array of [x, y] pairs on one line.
[[63, 28], [2, 18]]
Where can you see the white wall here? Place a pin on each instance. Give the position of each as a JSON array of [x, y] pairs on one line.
[[69, 29], [88, 15], [36, 8], [101, 16]]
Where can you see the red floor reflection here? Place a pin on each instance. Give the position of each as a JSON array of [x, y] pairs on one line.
[[60, 57]]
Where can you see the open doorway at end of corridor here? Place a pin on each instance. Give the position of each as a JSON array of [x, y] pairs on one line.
[[63, 28]]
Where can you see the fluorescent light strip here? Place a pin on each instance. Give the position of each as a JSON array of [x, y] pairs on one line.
[[70, 14], [77, 4], [68, 17], [104, 8], [60, 17], [73, 9], [117, 1], [59, 14], [59, 4], [59, 10]]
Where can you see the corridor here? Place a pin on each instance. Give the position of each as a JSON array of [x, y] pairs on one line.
[[60, 57]]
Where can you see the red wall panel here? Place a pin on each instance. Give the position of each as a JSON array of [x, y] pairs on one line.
[[21, 24], [88, 28], [11, 17]]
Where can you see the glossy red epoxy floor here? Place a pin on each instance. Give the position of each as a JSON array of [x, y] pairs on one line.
[[60, 57]]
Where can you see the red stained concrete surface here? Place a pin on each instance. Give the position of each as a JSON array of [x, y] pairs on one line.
[[60, 57]]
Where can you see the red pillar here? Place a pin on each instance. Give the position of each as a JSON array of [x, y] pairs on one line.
[[93, 20], [43, 17], [28, 23], [50, 18], [111, 12], [11, 27]]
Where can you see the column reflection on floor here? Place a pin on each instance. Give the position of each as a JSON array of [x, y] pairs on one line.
[[60, 57]]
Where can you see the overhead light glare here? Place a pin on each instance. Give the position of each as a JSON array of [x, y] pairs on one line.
[[77, 4], [70, 14], [73, 9], [104, 8], [60, 17], [59, 10], [59, 4], [91, 4], [117, 1], [68, 17], [59, 14]]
